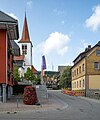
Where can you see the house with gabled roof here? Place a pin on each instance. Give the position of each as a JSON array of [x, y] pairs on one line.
[[8, 31], [86, 71]]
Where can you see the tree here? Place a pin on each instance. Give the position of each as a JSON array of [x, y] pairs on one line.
[[65, 79], [29, 75], [38, 80], [16, 74]]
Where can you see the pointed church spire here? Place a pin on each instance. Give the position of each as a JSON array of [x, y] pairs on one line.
[[25, 33]]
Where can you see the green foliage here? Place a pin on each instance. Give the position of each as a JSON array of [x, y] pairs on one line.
[[9, 51], [16, 75], [65, 79], [29, 75], [38, 80]]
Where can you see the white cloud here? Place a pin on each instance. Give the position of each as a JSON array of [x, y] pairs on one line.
[[29, 3], [54, 48], [13, 16], [63, 50], [93, 22], [56, 42]]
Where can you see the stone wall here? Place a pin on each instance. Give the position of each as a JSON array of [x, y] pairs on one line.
[[93, 93]]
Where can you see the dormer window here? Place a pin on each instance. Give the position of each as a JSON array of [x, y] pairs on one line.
[[24, 49]]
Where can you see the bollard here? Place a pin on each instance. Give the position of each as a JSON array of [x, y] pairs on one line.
[[17, 102]]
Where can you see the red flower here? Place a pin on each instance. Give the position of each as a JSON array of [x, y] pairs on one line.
[[29, 96]]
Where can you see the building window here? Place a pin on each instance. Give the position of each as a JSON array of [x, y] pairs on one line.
[[72, 74], [77, 71], [96, 65], [83, 83], [83, 67], [80, 69], [73, 85], [80, 83], [98, 52], [77, 84], [24, 49]]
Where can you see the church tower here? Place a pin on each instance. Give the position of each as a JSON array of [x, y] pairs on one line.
[[26, 46]]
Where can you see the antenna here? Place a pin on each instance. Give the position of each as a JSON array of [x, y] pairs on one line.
[[52, 67]]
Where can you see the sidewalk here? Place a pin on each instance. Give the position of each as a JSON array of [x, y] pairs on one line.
[[89, 99], [16, 105]]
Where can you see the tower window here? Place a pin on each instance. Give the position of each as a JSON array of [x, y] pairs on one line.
[[24, 49]]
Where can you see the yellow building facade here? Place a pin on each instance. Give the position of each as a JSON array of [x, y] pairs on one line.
[[86, 70]]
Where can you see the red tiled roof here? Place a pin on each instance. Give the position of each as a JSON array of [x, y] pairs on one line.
[[25, 32], [34, 70], [21, 57]]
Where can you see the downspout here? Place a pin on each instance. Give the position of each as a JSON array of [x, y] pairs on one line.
[[86, 76], [6, 82], [6, 59]]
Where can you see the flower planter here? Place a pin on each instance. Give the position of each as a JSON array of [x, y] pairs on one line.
[[29, 96]]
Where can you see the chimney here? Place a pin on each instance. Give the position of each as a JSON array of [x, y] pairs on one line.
[[88, 48]]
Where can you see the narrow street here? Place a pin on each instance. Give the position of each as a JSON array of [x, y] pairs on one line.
[[74, 108]]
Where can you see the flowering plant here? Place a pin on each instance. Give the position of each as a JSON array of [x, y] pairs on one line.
[[29, 96]]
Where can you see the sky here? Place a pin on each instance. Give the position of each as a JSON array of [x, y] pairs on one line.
[[59, 29]]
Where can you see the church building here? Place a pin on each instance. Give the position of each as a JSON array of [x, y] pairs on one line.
[[25, 46]]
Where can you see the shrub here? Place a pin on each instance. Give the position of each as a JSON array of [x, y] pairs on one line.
[[29, 96]]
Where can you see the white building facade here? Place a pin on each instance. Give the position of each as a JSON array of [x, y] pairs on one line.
[[26, 47]]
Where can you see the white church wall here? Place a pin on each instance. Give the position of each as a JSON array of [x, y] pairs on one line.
[[28, 56]]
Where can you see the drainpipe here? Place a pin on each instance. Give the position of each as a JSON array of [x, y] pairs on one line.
[[5, 85]]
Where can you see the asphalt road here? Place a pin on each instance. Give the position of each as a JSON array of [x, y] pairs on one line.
[[74, 108]]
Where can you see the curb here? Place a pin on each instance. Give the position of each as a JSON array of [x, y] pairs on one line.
[[89, 99]]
